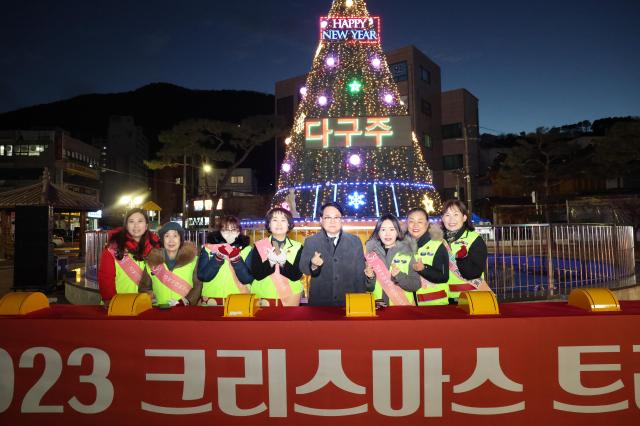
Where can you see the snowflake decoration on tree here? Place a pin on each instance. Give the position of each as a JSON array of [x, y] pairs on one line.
[[356, 200]]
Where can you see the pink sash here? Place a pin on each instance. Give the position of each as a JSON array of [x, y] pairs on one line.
[[475, 284], [280, 282], [213, 248], [395, 293], [131, 268], [171, 280]]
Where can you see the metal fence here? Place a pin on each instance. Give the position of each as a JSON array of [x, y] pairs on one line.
[[546, 261], [525, 262]]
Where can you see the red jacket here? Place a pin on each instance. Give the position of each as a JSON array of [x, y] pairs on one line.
[[107, 266]]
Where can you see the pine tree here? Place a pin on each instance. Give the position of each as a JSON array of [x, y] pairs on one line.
[[340, 148]]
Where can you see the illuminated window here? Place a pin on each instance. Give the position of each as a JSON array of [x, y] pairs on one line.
[[237, 179], [1, 149]]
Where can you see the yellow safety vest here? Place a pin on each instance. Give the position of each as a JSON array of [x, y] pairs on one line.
[[401, 260], [163, 293], [436, 294], [265, 288], [223, 284], [467, 238], [124, 284]]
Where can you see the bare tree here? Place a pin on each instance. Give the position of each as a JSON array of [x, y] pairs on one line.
[[222, 144]]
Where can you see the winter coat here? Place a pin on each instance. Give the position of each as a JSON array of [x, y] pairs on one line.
[[186, 257], [109, 273], [342, 270], [409, 281]]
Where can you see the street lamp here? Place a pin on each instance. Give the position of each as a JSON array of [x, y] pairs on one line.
[[130, 201]]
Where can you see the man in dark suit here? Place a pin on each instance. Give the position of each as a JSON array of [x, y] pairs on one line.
[[334, 260]]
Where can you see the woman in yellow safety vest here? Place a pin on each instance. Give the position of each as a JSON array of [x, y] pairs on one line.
[[390, 263], [172, 268], [122, 260], [468, 249], [275, 262], [221, 264], [432, 259]]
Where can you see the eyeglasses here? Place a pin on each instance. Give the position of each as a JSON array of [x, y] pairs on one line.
[[332, 219], [230, 229]]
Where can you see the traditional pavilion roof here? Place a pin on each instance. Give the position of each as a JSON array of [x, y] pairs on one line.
[[46, 193]]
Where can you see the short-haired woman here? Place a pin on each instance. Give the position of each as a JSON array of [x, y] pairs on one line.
[[275, 262]]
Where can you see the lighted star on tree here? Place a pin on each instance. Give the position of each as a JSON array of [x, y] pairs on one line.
[[356, 200], [428, 204], [355, 86]]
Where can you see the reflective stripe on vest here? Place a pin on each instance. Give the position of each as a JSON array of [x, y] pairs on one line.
[[432, 296]]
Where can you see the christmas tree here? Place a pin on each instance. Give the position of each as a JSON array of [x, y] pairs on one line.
[[351, 140]]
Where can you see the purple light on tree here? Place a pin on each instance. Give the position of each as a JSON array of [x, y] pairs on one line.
[[322, 100], [286, 167], [388, 98], [375, 62], [330, 61], [303, 91], [355, 160]]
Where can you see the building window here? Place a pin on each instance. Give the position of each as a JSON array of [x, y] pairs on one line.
[[425, 107], [399, 71], [1, 150], [237, 179], [452, 131], [35, 150], [452, 162], [22, 150], [426, 140], [425, 75], [9, 150]]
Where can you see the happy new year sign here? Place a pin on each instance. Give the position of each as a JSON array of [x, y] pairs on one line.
[[364, 132], [350, 29]]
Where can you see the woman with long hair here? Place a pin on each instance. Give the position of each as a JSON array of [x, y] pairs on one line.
[[390, 263], [122, 261], [468, 251]]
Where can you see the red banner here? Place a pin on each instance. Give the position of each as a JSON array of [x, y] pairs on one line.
[[410, 365]]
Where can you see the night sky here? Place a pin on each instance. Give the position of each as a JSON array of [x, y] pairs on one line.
[[536, 63]]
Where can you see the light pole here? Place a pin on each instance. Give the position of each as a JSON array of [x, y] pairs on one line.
[[466, 166]]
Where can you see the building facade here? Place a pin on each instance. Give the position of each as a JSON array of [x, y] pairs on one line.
[[123, 157], [72, 164], [460, 135]]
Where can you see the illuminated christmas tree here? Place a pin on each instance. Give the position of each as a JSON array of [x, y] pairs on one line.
[[351, 140]]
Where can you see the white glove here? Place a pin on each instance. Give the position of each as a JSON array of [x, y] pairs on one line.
[[274, 258]]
